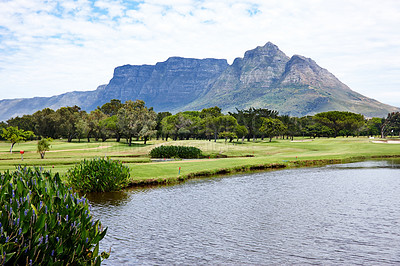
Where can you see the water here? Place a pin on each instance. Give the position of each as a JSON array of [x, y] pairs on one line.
[[338, 214]]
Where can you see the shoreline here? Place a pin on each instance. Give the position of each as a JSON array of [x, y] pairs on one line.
[[250, 169]]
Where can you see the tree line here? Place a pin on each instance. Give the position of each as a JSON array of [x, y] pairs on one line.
[[132, 120]]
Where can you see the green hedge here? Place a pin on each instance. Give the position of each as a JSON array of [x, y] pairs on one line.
[[98, 175], [42, 222], [183, 152]]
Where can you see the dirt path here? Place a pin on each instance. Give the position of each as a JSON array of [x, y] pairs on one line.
[[387, 141], [100, 147]]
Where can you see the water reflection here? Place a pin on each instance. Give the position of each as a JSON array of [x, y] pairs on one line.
[[108, 198], [340, 214], [387, 163]]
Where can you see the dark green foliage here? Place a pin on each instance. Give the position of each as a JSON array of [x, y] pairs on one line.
[[183, 152], [42, 222], [342, 123], [98, 175], [391, 126]]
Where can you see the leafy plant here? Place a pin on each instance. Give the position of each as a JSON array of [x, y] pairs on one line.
[[43, 146], [98, 175], [184, 152], [41, 221], [16, 135]]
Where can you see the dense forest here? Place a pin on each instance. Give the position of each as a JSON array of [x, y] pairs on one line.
[[132, 120]]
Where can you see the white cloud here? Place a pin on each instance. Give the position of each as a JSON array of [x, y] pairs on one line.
[[49, 47]]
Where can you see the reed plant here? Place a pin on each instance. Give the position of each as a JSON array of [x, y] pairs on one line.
[[98, 175], [43, 222]]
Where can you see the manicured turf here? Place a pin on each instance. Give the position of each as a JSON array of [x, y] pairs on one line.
[[63, 154]]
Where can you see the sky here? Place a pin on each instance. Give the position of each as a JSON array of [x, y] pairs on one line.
[[49, 47]]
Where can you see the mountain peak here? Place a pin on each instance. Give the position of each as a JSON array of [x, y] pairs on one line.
[[269, 50]]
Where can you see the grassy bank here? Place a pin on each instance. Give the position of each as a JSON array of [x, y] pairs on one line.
[[245, 156]]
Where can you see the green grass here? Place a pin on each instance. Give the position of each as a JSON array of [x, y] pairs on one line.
[[64, 155]]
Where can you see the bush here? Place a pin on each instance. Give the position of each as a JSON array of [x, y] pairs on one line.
[[183, 152], [98, 175], [42, 222]]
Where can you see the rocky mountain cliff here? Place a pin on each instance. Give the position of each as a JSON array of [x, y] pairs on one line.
[[264, 78]]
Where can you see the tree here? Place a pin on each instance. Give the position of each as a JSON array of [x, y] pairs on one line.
[[391, 124], [136, 120], [16, 135], [66, 119], [111, 108], [178, 125], [44, 123], [96, 126], [227, 135], [159, 128], [82, 128], [43, 146], [210, 122], [2, 125], [241, 132], [111, 125], [24, 122], [374, 126], [292, 125], [146, 119], [347, 122], [252, 119], [227, 125], [272, 127]]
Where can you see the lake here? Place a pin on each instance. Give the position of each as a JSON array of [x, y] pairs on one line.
[[337, 214]]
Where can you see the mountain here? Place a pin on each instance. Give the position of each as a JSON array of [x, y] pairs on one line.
[[264, 78]]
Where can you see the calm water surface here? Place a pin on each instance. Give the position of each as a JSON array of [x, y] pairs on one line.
[[339, 214]]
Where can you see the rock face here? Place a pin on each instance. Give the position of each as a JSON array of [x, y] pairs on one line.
[[264, 78], [167, 85]]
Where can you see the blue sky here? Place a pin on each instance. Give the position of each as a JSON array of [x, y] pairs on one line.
[[48, 47]]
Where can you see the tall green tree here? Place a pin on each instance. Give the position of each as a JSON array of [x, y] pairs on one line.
[[16, 135], [82, 128], [111, 126], [373, 126], [111, 108], [136, 120], [66, 119], [241, 132], [44, 123], [159, 126], [180, 125], [252, 119], [272, 127], [2, 125], [210, 122], [24, 122], [97, 128], [345, 122], [227, 125], [391, 125]]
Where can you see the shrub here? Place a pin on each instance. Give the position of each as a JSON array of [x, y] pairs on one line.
[[43, 146], [98, 175], [183, 152], [42, 222]]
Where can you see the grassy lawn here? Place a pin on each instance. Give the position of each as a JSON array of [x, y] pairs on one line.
[[64, 155]]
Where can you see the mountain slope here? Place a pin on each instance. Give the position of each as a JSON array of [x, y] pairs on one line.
[[264, 78]]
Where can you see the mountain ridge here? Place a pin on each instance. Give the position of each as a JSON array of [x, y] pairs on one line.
[[265, 77]]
